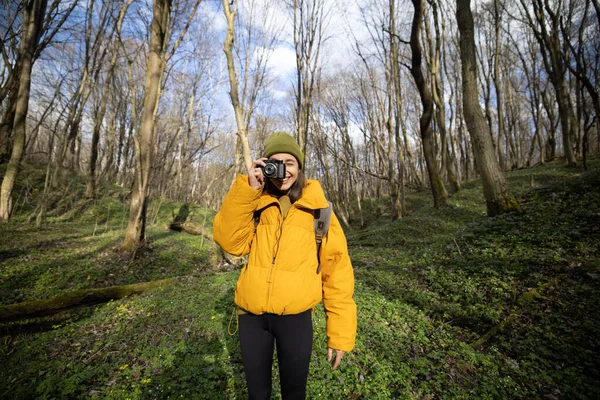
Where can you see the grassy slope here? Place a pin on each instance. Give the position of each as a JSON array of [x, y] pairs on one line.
[[427, 287]]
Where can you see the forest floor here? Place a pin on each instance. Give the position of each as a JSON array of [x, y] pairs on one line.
[[451, 304]]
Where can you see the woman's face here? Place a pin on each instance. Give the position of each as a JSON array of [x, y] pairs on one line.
[[291, 171]]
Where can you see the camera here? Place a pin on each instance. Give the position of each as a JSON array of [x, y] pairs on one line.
[[274, 169]]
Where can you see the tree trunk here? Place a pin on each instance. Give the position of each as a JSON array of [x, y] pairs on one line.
[[498, 86], [108, 160], [33, 20], [42, 213], [71, 128], [101, 110], [308, 19], [550, 147], [233, 92], [136, 228], [495, 188], [8, 119], [437, 90], [126, 136], [397, 185], [546, 30], [566, 121], [440, 196], [95, 51]]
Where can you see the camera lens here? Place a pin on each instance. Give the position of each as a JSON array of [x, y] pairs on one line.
[[270, 169]]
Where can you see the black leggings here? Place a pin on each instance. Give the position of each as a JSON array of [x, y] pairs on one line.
[[293, 335]]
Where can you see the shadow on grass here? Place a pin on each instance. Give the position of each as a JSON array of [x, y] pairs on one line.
[[167, 343], [428, 227], [17, 248], [81, 261], [45, 324], [209, 365]]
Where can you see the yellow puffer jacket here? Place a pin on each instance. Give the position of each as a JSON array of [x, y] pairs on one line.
[[281, 274]]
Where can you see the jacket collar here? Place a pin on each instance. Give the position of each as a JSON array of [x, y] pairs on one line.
[[312, 197]]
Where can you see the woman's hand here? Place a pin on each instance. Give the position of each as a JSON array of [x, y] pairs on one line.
[[339, 354], [256, 178]]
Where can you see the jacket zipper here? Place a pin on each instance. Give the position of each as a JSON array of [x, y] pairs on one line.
[[270, 278], [272, 268]]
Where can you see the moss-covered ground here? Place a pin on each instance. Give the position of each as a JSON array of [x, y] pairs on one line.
[[451, 304]]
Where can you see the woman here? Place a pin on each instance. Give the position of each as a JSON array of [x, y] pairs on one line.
[[281, 283]]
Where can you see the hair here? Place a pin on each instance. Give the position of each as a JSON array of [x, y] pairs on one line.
[[294, 192]]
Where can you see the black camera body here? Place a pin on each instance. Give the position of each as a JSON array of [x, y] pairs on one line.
[[274, 169]]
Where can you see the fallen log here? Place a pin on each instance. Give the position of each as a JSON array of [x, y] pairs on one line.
[[189, 228], [508, 322], [216, 253], [74, 300]]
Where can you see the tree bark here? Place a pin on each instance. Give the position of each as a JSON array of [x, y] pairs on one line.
[[580, 71], [242, 132], [437, 90], [308, 19], [95, 51], [497, 194], [498, 86], [136, 228], [8, 119], [33, 20], [101, 110], [545, 26], [396, 182], [440, 195]]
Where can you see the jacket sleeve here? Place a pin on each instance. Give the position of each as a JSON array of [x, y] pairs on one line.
[[233, 227], [338, 288]]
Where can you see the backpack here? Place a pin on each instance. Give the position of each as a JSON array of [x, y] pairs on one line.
[[322, 219]]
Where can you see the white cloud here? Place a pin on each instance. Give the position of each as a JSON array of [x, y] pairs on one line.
[[280, 95], [282, 62], [343, 26], [213, 13]]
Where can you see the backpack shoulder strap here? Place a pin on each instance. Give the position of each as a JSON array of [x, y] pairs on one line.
[[322, 219], [256, 218], [257, 214]]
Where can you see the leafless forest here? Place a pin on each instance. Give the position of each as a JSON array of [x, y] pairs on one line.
[[171, 98]]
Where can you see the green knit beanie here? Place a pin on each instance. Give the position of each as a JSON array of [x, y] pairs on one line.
[[281, 142]]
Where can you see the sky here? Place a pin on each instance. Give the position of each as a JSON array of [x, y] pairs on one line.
[[282, 61], [344, 24]]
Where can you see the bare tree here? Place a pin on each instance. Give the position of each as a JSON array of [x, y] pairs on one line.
[[242, 132], [136, 228], [440, 196], [497, 194], [581, 69], [52, 22], [333, 148], [35, 24], [544, 20], [497, 16], [253, 46], [395, 152], [94, 53], [101, 108], [33, 19], [158, 57], [435, 59], [10, 75], [531, 69], [309, 18]]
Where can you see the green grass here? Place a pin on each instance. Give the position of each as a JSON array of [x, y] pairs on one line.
[[428, 287]]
